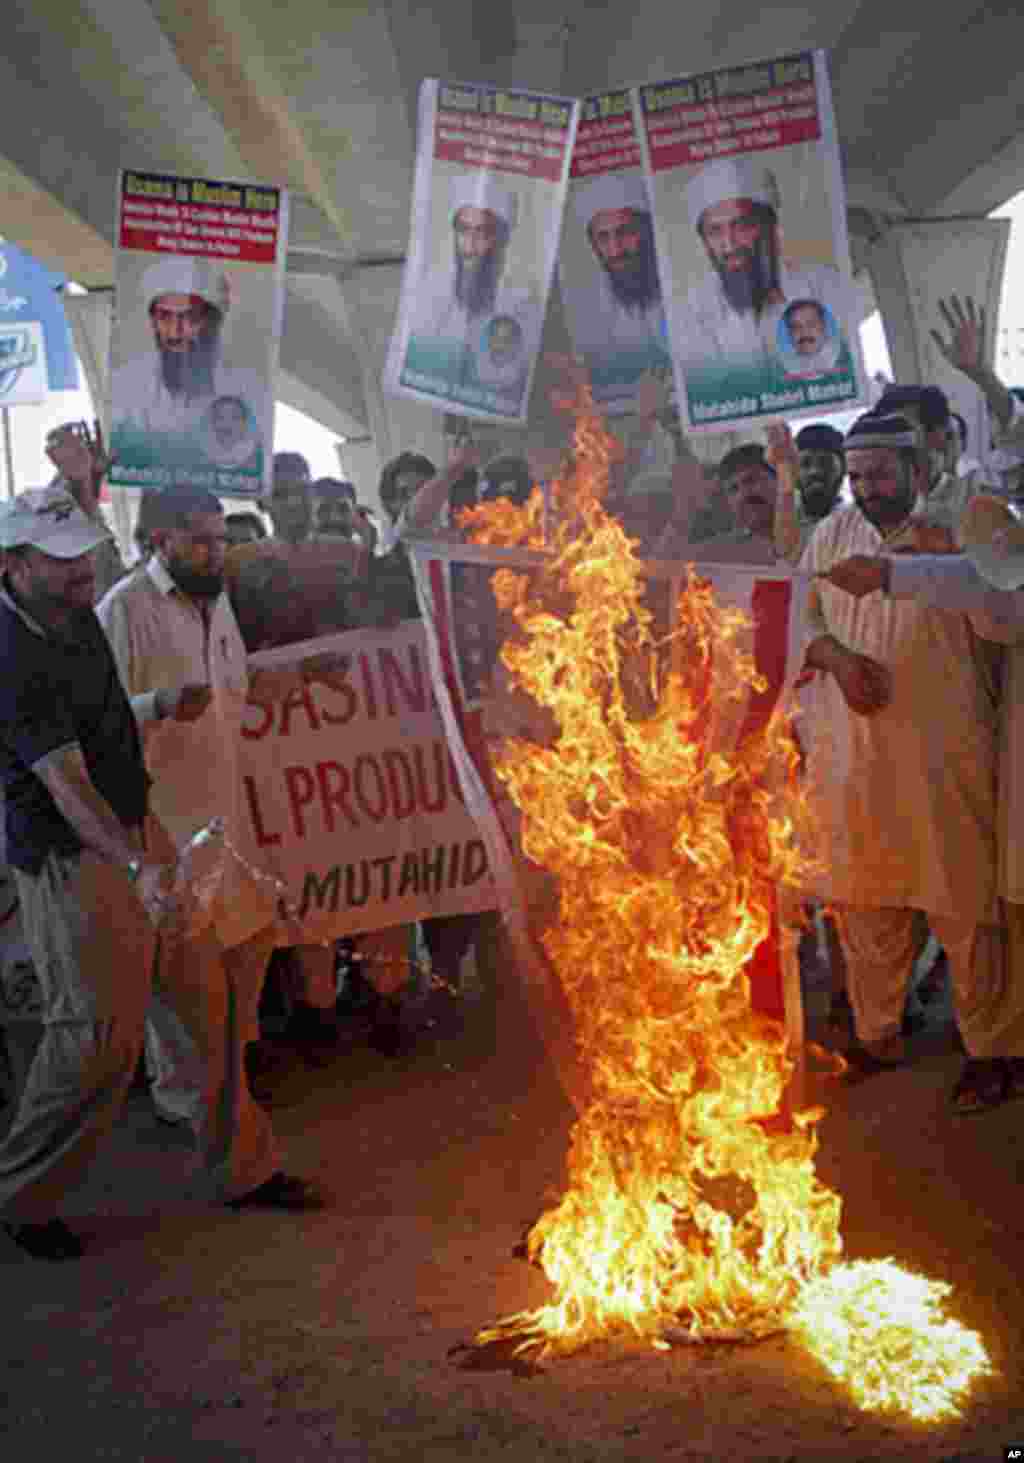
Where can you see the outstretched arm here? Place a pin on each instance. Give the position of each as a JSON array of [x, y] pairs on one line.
[[967, 351]]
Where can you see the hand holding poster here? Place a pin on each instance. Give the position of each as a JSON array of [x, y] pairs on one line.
[[200, 290], [491, 174], [607, 267], [750, 220]]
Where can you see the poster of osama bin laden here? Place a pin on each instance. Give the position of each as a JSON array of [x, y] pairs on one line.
[[753, 256], [199, 305], [491, 172]]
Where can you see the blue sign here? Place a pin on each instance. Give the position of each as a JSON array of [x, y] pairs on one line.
[[30, 295]]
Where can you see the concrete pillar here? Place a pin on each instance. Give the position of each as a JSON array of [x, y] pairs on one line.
[[914, 265], [396, 424]]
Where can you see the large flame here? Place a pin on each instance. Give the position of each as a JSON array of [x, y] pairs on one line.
[[691, 1205]]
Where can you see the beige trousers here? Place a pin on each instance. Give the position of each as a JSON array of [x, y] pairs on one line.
[[93, 948], [881, 946]]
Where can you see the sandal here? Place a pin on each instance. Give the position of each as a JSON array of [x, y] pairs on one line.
[[281, 1191], [52, 1241], [985, 1083], [868, 1060]]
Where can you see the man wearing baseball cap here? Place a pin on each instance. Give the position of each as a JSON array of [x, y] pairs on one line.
[[459, 307], [91, 890], [733, 312], [615, 313], [170, 389]]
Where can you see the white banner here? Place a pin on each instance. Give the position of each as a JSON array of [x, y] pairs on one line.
[[750, 221], [200, 301], [350, 795], [491, 173]]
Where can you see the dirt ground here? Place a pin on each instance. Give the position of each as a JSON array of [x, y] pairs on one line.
[[192, 1333]]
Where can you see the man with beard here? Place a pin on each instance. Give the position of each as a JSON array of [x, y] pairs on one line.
[[170, 625], [810, 473], [94, 875], [986, 583], [901, 760], [459, 313], [615, 316], [946, 494], [169, 392], [732, 315]]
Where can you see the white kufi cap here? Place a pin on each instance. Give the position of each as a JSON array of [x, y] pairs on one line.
[[727, 178], [173, 275], [610, 191], [483, 190]]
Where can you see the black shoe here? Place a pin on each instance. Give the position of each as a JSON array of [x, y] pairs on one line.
[[281, 1191], [316, 1035], [52, 1241]]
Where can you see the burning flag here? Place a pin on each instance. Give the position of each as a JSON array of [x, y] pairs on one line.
[[668, 815]]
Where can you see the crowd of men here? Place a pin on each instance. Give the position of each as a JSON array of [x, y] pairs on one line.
[[124, 691]]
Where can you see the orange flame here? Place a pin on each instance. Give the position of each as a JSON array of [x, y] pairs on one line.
[[691, 1204]]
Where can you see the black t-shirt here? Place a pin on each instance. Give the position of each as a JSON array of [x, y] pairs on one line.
[[55, 691]]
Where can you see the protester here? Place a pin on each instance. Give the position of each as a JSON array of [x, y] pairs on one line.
[[967, 350], [986, 585], [751, 487], [82, 463], [295, 585], [810, 476], [338, 514], [945, 494], [94, 877], [244, 528], [901, 760], [171, 624]]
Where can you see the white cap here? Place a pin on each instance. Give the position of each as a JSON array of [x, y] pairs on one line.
[[483, 190], [727, 178], [50, 520], [173, 275], [610, 191], [992, 533]]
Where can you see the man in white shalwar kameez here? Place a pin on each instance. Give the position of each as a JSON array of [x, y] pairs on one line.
[[902, 760], [986, 584]]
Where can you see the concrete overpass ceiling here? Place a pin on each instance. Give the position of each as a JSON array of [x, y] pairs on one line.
[[320, 94]]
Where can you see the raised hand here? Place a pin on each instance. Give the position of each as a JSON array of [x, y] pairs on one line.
[[652, 395], [781, 450], [967, 326]]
